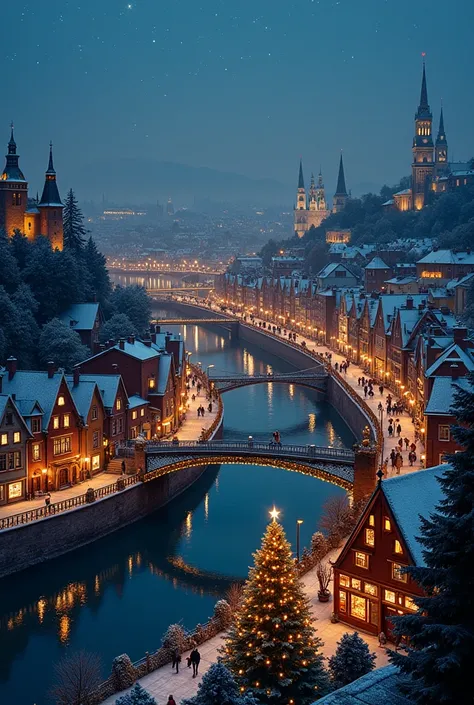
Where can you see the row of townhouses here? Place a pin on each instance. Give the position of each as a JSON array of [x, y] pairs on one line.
[[410, 342], [58, 429]]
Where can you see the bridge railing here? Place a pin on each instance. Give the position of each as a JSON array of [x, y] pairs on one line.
[[309, 451], [318, 374]]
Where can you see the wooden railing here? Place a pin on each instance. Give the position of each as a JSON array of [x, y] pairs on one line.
[[203, 378], [91, 495]]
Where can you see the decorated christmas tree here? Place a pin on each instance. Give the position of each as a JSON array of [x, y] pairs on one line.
[[441, 633], [272, 648]]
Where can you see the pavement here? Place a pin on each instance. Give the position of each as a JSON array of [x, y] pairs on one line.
[[164, 681], [190, 429]]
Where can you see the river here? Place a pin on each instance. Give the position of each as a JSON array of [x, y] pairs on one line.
[[120, 593]]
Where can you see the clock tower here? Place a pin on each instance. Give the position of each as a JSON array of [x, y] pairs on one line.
[[422, 170]]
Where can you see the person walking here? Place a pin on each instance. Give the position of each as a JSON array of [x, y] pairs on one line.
[[390, 430], [195, 660], [406, 442], [47, 500], [381, 390], [398, 462], [393, 457], [399, 428], [124, 467], [171, 700], [176, 660], [366, 389]]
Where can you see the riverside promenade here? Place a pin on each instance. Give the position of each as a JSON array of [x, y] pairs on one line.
[[164, 681], [190, 430]]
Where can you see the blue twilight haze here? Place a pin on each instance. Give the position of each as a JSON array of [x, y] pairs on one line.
[[242, 87]]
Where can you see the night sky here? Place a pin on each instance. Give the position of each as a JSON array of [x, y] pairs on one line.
[[244, 86]]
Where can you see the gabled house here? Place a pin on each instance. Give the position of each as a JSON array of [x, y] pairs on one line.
[[86, 320], [335, 274], [90, 406], [14, 437], [370, 585]]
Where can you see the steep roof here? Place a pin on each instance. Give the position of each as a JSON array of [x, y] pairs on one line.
[[26, 384], [447, 257], [138, 350], [136, 400], [330, 268], [377, 687], [50, 195], [80, 316], [83, 393], [12, 171], [341, 180], [377, 263], [442, 395], [108, 386], [453, 355], [164, 369], [409, 497], [5, 401]]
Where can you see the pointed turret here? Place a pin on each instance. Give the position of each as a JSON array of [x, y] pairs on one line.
[[50, 196], [423, 108], [441, 148], [300, 176], [12, 171], [341, 196], [341, 180], [422, 172]]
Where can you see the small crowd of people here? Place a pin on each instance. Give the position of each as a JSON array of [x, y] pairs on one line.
[[193, 661], [342, 367], [276, 439]]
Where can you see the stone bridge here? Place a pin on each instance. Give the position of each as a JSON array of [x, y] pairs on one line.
[[231, 324], [315, 378], [335, 465]]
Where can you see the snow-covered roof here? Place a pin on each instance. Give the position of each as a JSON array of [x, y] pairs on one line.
[[409, 497], [447, 257], [80, 316], [378, 686], [454, 355], [442, 395], [136, 400], [377, 263]]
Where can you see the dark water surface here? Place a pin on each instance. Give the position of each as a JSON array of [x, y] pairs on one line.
[[120, 593]]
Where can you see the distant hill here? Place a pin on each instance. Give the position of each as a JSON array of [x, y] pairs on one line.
[[141, 181]]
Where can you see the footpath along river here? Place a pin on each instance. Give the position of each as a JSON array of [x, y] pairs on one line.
[[120, 593]]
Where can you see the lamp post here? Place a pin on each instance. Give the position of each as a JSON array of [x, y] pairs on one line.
[[298, 524], [207, 370]]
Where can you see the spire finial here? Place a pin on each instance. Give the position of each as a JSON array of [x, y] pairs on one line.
[[50, 163], [341, 179], [424, 106], [300, 177]]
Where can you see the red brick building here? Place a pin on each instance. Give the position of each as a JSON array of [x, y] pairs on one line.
[[14, 437], [370, 587]]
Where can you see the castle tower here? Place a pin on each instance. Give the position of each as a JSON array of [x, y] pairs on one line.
[[13, 192], [320, 194], [301, 212], [313, 203], [51, 208], [341, 196], [441, 148], [422, 170]]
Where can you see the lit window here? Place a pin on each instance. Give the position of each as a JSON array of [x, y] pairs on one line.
[[397, 572], [118, 404], [370, 537], [15, 490], [387, 525], [359, 607], [55, 421], [356, 584], [61, 401], [151, 383], [398, 546], [370, 589], [342, 601], [389, 596], [371, 520], [95, 463], [361, 559], [344, 580], [134, 414], [444, 433], [410, 605], [66, 420], [17, 437], [142, 412], [36, 451], [4, 439]]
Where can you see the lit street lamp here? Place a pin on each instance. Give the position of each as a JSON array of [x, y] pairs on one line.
[[298, 524], [207, 370]]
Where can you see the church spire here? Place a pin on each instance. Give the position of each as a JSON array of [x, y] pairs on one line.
[[12, 143], [441, 132], [423, 108], [12, 171], [300, 176], [50, 196], [341, 180], [441, 148], [50, 163]]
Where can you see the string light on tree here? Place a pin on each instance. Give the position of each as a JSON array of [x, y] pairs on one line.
[[272, 648]]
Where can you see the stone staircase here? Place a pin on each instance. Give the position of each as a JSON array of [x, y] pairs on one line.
[[115, 466]]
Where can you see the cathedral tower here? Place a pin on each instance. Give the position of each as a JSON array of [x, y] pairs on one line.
[[422, 170], [441, 148], [51, 208], [13, 192], [312, 195], [300, 220], [320, 194], [341, 196]]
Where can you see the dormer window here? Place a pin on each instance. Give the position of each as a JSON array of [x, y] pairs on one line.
[[118, 404], [61, 401], [151, 383]]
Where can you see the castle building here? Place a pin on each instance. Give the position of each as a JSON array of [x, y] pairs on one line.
[[312, 210], [430, 170], [31, 217]]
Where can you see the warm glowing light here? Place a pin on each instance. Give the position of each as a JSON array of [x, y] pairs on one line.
[[274, 513]]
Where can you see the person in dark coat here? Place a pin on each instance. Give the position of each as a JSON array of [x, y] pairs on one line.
[[195, 660], [171, 701], [176, 660]]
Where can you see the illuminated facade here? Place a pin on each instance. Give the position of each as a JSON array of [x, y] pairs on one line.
[[311, 210], [34, 217]]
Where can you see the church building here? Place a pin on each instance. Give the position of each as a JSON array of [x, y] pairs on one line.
[[311, 209], [32, 217]]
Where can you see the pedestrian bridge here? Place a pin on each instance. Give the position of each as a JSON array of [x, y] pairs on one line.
[[315, 378], [195, 321], [335, 465]]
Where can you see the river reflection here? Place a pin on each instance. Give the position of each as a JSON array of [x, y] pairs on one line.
[[119, 594]]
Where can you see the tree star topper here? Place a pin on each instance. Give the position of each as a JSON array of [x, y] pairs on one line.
[[274, 513]]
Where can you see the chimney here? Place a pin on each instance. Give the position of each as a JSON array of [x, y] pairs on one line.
[[11, 366], [102, 347], [454, 371], [167, 338], [50, 369], [409, 303], [157, 329], [122, 343], [153, 337], [131, 339], [147, 342], [460, 335], [76, 375]]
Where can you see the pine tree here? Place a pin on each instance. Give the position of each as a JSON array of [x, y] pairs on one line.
[[441, 633], [218, 687], [351, 660], [137, 696], [97, 267], [73, 224], [272, 648]]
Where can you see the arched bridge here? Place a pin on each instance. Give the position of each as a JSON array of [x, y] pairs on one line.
[[335, 465], [315, 378]]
